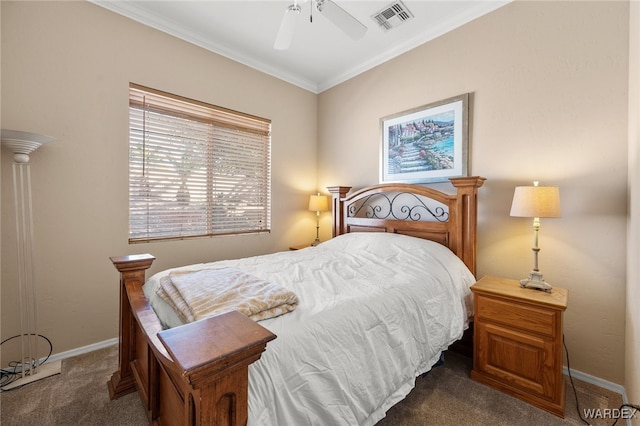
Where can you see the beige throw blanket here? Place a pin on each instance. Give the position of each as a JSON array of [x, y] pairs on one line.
[[200, 294]]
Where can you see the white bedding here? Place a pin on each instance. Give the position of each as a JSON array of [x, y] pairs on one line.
[[375, 311]]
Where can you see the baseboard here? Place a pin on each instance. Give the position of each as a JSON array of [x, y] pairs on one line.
[[614, 387], [83, 350]]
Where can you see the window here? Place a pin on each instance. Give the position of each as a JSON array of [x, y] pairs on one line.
[[195, 169]]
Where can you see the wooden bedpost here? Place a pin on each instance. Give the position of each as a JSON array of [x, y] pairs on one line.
[[467, 215], [338, 193], [217, 368], [132, 269]]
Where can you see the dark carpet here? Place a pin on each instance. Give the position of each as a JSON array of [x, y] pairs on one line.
[[444, 396]]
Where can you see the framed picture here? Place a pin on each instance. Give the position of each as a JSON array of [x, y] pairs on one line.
[[426, 144]]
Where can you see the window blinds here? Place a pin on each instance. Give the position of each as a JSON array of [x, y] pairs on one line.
[[195, 169]]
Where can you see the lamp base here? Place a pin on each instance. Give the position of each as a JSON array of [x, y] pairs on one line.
[[535, 281], [315, 242], [44, 370]]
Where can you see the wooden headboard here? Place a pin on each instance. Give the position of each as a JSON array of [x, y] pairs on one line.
[[418, 211]]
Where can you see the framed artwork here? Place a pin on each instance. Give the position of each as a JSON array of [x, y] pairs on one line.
[[426, 144]]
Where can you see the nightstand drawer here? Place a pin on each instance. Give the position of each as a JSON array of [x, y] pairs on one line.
[[514, 315]]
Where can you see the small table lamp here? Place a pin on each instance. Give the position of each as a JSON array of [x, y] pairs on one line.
[[318, 203], [536, 202]]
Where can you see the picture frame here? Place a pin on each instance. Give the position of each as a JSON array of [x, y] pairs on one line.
[[426, 144]]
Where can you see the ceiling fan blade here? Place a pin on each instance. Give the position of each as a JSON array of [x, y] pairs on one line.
[[342, 19], [287, 27]]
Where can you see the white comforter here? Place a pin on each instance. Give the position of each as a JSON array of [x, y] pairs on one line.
[[375, 311]]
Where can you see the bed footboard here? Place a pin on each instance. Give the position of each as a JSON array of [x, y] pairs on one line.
[[180, 383]]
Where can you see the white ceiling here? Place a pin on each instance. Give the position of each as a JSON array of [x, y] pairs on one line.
[[321, 55]]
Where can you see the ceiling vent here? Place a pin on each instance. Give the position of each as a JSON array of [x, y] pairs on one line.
[[392, 15]]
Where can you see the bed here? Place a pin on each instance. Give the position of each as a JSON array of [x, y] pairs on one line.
[[362, 332]]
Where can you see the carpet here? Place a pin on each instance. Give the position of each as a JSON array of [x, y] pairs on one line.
[[444, 396]]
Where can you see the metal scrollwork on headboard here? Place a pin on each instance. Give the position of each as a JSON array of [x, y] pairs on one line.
[[400, 206]]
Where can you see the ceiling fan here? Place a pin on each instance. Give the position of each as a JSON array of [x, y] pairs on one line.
[[334, 13]]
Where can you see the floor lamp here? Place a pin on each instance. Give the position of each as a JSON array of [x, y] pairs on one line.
[[22, 144]]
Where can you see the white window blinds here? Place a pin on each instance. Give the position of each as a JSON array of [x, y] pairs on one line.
[[195, 169]]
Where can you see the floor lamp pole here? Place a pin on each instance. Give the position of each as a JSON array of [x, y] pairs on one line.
[[26, 281]]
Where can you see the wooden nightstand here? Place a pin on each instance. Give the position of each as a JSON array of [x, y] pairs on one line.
[[518, 341]]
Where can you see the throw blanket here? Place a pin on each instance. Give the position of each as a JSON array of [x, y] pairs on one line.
[[200, 294]]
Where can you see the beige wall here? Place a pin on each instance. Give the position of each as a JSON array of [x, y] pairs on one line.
[[549, 84], [632, 371], [66, 67]]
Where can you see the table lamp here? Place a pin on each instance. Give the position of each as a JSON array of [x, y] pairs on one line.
[[318, 203], [536, 202]]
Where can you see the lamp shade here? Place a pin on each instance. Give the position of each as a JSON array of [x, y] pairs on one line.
[[318, 203], [536, 201], [22, 144]]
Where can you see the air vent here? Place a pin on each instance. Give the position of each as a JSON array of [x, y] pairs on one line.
[[393, 15]]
